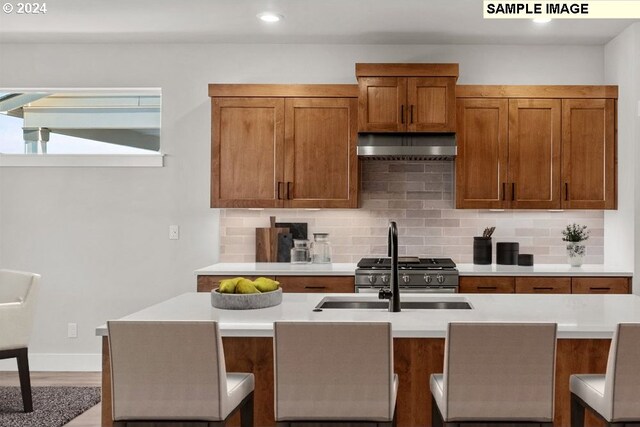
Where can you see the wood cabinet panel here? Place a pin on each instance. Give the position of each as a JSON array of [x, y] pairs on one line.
[[588, 154], [247, 152], [534, 153], [600, 285], [432, 104], [382, 104], [481, 164], [321, 165], [339, 284], [487, 284], [209, 283], [543, 285]]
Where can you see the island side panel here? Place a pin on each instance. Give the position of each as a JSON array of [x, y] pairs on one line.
[[106, 384]]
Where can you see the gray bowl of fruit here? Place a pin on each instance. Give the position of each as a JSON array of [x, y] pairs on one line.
[[244, 294]]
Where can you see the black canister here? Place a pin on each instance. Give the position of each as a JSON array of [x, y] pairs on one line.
[[482, 250], [507, 253], [525, 260]]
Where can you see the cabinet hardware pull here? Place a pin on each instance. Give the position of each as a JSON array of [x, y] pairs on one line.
[[536, 288], [411, 113], [487, 288], [402, 114], [566, 191], [504, 184], [280, 190], [315, 287], [289, 190], [599, 289], [513, 191]]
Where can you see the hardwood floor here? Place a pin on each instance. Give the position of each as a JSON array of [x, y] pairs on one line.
[[91, 418]]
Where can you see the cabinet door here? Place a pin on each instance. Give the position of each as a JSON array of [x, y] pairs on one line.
[[321, 164], [543, 285], [534, 153], [382, 104], [432, 104], [588, 154], [247, 152], [487, 285], [328, 284], [481, 164], [600, 285]]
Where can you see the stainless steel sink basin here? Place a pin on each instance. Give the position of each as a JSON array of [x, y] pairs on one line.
[[355, 304]]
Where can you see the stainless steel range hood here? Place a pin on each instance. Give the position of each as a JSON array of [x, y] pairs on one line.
[[406, 146]]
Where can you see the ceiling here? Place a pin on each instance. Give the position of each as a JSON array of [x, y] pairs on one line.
[[306, 21]]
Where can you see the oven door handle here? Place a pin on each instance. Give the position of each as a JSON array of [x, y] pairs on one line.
[[446, 290]]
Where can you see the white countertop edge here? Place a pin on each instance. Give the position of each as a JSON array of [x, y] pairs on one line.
[[348, 269]]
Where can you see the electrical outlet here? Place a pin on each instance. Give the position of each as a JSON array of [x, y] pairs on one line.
[[174, 232], [72, 330]]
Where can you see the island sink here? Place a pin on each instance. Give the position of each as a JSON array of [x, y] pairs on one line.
[[370, 304]]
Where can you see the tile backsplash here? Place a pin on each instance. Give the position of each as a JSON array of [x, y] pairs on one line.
[[420, 197]]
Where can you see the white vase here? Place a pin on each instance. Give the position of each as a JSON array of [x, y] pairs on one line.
[[575, 253]]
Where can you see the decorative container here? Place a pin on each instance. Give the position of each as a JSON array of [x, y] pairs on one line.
[[507, 253], [321, 248], [245, 301], [575, 253], [482, 250]]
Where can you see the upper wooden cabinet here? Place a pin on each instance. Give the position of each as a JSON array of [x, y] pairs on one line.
[[297, 150], [588, 161], [543, 152], [406, 97]]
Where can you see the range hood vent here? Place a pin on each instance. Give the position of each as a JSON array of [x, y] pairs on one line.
[[422, 147]]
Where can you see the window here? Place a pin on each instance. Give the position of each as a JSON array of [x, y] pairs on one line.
[[90, 127]]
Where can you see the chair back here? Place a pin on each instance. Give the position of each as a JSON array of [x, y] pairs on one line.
[[18, 295], [499, 372], [167, 370], [622, 383], [333, 371]]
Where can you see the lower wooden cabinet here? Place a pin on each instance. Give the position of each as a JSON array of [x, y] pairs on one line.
[[487, 285], [543, 285], [600, 285], [323, 284]]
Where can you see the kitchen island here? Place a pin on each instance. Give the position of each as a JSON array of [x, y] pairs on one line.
[[585, 327]]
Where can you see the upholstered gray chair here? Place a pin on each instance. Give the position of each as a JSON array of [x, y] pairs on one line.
[[614, 396], [171, 371], [496, 372], [18, 294], [328, 372]]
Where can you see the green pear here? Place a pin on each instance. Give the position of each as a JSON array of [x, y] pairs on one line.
[[246, 286], [266, 285], [228, 286]]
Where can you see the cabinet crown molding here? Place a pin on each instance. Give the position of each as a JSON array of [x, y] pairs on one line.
[[537, 91], [406, 70], [283, 90]]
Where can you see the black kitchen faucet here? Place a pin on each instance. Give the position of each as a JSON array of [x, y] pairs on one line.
[[392, 293]]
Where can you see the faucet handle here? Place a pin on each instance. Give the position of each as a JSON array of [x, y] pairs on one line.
[[385, 293]]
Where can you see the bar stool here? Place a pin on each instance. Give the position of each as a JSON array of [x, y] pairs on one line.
[[174, 371], [614, 396], [496, 372], [333, 371]]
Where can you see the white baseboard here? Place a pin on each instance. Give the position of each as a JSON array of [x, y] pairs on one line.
[[67, 362]]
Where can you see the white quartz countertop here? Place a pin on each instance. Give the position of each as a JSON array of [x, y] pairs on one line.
[[348, 269], [578, 316]]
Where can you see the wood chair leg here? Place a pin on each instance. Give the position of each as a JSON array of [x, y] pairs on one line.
[[246, 412], [577, 412], [25, 379]]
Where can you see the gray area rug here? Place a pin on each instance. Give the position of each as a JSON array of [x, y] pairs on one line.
[[52, 406]]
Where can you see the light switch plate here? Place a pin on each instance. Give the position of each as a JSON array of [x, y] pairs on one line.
[[174, 232], [72, 330]]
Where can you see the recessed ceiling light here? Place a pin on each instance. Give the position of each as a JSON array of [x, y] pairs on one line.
[[270, 17], [541, 20]]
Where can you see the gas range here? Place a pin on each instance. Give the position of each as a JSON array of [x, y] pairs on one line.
[[420, 275]]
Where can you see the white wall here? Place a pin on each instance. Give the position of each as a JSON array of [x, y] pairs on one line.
[[99, 236], [622, 67]]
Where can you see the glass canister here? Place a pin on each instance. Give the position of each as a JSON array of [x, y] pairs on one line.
[[300, 253], [321, 248]]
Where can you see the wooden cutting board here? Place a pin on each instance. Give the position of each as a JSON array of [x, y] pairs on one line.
[[267, 242]]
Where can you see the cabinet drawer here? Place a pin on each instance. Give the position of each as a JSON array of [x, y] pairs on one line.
[[543, 285], [600, 285], [209, 283], [341, 284], [488, 284]]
